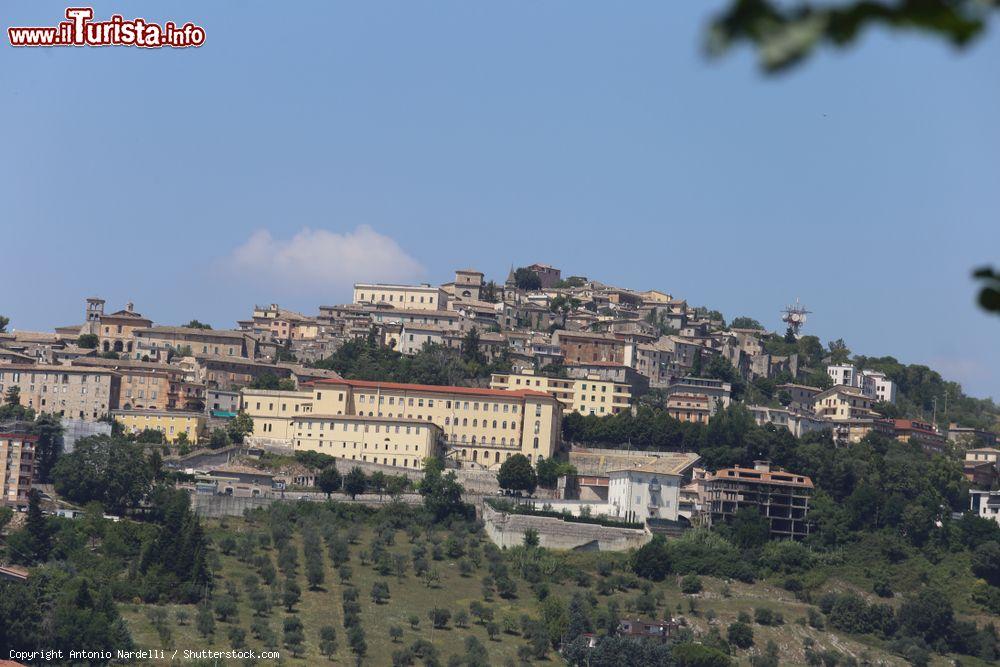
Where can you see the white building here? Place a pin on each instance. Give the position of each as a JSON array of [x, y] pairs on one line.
[[650, 491], [873, 384], [986, 504], [411, 297], [796, 421]]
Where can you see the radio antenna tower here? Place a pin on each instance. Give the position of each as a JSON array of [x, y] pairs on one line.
[[795, 316]]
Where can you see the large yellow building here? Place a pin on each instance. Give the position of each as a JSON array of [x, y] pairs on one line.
[[411, 297], [273, 411], [481, 427], [170, 423], [395, 442], [589, 396]]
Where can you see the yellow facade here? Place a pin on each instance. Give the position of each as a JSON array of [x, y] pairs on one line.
[[170, 424], [479, 426], [422, 297], [396, 442], [842, 403], [272, 411], [590, 396]]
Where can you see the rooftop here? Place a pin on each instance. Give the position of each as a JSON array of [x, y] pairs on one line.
[[159, 413], [668, 463], [438, 389], [362, 418], [754, 476], [217, 333]]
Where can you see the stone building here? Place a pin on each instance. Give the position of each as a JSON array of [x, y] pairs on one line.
[[68, 391]]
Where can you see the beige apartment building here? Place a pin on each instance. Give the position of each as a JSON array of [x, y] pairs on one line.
[[394, 442], [588, 396], [273, 411], [842, 403], [480, 427], [17, 467], [69, 391], [411, 297]]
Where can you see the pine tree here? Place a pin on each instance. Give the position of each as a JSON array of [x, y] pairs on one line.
[[39, 533]]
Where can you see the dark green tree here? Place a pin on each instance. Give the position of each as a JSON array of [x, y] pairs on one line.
[[470, 346], [744, 322], [329, 480], [36, 544], [442, 493], [239, 427], [355, 482], [49, 447], [109, 470], [749, 529], [526, 279], [88, 341], [516, 474], [740, 634], [986, 562], [13, 396], [652, 560], [219, 439]]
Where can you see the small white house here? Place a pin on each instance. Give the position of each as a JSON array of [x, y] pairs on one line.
[[985, 503], [651, 490]]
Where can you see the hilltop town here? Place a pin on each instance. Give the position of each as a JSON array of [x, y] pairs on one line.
[[571, 416]]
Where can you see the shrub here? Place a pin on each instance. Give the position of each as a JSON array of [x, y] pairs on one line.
[[439, 617], [740, 634], [691, 585]]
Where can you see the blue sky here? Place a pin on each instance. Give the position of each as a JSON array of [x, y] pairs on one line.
[[298, 151]]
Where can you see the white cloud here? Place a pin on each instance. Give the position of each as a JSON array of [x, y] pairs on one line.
[[321, 260]]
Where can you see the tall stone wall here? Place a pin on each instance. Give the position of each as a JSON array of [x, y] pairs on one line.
[[507, 530], [214, 506]]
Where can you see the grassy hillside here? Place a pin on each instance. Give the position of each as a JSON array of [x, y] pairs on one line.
[[603, 578]]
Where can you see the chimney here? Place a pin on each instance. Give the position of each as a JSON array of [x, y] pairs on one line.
[[130, 306], [762, 466]]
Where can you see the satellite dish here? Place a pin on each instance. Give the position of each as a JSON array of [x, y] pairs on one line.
[[794, 316]]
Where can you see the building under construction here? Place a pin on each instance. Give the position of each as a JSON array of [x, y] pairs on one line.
[[780, 497]]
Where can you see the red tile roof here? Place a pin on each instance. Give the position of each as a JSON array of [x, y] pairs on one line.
[[438, 389], [909, 424]]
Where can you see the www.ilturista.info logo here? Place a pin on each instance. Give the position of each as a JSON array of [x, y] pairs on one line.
[[80, 30]]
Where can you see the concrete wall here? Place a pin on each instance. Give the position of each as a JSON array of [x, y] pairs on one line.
[[213, 506], [507, 530]]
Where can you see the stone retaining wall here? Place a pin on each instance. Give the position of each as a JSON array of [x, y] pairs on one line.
[[507, 530]]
